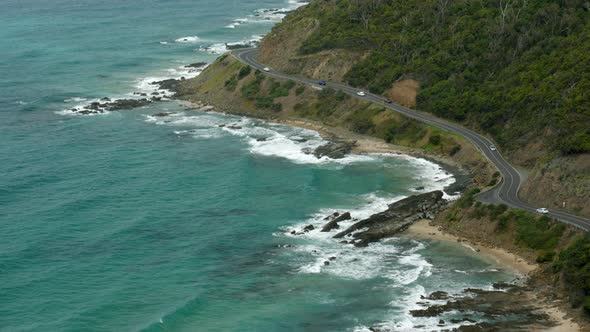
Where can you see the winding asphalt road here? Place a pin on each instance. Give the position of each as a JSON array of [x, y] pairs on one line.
[[505, 192]]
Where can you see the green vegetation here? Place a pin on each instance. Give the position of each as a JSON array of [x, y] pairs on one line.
[[231, 84], [454, 150], [511, 68], [538, 233], [535, 232], [253, 90], [434, 139], [300, 89], [277, 90], [244, 71], [574, 265]]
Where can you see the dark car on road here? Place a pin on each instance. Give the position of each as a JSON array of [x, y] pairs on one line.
[[322, 83]]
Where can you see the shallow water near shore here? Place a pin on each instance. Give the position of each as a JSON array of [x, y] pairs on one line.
[[126, 221]]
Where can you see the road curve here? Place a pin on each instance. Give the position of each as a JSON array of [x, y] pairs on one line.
[[505, 192]]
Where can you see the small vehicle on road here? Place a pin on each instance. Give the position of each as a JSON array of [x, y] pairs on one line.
[[266, 69], [322, 83], [493, 148], [388, 101], [361, 93], [542, 210]]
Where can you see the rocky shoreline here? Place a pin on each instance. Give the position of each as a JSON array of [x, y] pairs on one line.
[[166, 90], [398, 217], [504, 307]]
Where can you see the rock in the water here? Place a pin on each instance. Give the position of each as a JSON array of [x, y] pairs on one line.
[[307, 150], [121, 104], [506, 309], [333, 224], [196, 65], [334, 150], [332, 216], [438, 295], [398, 217], [326, 263], [163, 114], [308, 228], [502, 285], [169, 84]]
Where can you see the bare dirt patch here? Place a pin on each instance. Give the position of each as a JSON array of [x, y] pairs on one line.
[[404, 92]]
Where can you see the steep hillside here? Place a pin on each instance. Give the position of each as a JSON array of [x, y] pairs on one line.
[[517, 70]]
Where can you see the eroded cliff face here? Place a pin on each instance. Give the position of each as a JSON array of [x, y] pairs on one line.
[[562, 183], [280, 50]]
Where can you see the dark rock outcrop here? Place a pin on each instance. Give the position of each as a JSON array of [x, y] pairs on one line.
[[398, 217], [169, 84], [308, 228], [436, 296], [502, 311], [161, 114], [334, 150], [127, 104], [332, 216], [333, 224], [196, 65]]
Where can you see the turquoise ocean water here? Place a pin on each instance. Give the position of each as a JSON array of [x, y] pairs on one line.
[[127, 222]]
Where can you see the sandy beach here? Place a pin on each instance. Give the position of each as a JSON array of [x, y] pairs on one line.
[[424, 230]]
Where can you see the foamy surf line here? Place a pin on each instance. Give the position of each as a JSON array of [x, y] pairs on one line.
[[395, 259], [319, 253], [267, 15], [145, 88]]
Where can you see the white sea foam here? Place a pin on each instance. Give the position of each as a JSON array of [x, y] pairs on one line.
[[188, 40], [144, 88], [75, 100], [218, 48], [352, 262]]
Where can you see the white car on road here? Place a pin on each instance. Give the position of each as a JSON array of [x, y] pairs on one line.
[[266, 69], [493, 148], [542, 210], [361, 93]]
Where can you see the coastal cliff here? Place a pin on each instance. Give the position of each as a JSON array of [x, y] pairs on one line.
[[238, 89]]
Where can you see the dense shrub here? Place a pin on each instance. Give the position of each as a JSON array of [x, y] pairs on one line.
[[474, 63], [454, 150], [434, 139], [574, 264], [300, 89], [244, 71], [231, 84]]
